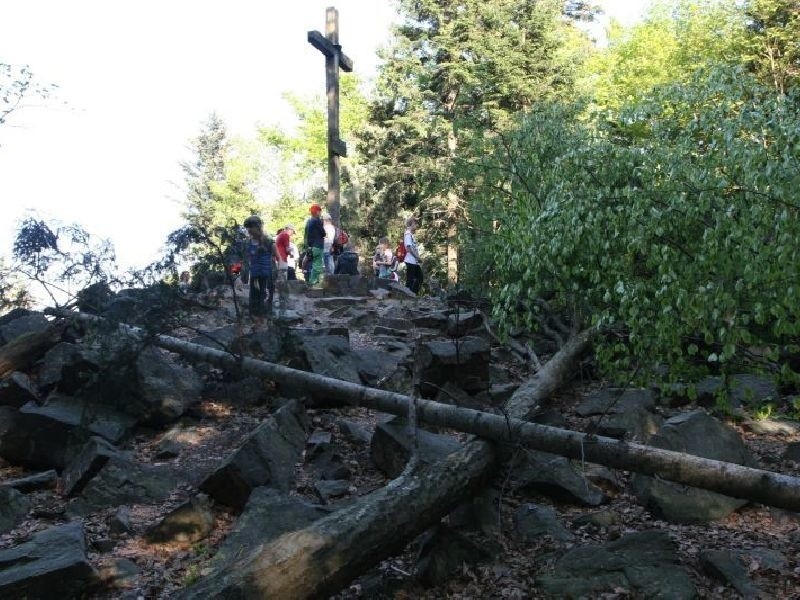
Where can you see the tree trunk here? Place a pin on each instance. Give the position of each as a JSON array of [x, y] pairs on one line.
[[21, 353]]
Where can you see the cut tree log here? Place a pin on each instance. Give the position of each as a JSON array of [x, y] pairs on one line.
[[758, 485], [22, 352]]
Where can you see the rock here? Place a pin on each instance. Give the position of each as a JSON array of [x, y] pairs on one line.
[[360, 317], [463, 362], [327, 355], [479, 513], [550, 416], [600, 518], [444, 551], [699, 434], [743, 389], [615, 401], [532, 521], [187, 524], [122, 481], [318, 442], [30, 323], [14, 507], [46, 480], [353, 432], [554, 476], [449, 393], [13, 314], [52, 565], [330, 465], [635, 423], [267, 457], [460, 323], [728, 568], [166, 389], [67, 366], [430, 320], [645, 564], [104, 545], [399, 291], [348, 285], [88, 462], [176, 438], [49, 436], [393, 442], [792, 452], [248, 391], [396, 323], [340, 302], [120, 573], [267, 344], [222, 338], [398, 333], [17, 389], [120, 522], [328, 490], [374, 365], [501, 393], [267, 515]]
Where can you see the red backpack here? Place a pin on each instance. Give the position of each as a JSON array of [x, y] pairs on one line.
[[400, 252]]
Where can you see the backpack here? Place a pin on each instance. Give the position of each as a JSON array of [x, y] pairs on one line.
[[339, 242], [400, 252]]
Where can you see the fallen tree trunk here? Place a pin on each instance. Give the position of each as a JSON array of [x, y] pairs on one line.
[[730, 479], [21, 353], [322, 558]]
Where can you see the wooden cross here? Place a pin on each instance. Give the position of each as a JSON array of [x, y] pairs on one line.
[[335, 59]]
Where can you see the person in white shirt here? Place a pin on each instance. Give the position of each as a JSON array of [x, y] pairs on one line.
[[413, 269], [330, 238]]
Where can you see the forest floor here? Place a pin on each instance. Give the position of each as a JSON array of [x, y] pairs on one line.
[[219, 425]]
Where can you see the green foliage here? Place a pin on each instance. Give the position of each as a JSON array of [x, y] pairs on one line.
[[771, 46], [673, 227]]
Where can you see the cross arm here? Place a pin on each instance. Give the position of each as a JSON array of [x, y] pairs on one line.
[[323, 44]]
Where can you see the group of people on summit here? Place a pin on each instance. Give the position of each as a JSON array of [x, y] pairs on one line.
[[268, 263]]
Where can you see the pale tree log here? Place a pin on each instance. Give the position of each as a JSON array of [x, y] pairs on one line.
[[22, 352], [758, 485]]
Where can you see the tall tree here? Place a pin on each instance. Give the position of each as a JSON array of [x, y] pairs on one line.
[[454, 71]]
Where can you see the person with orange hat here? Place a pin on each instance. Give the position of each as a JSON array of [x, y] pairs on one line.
[[315, 241]]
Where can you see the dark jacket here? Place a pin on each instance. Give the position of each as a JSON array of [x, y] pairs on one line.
[[315, 233], [347, 264]]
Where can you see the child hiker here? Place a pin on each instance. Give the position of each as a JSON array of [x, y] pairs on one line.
[[261, 255]]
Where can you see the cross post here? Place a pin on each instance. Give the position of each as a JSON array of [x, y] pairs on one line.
[[335, 59]]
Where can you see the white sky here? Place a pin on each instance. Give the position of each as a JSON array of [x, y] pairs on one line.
[[138, 79]]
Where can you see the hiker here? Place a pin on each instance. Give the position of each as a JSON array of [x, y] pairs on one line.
[[315, 241], [282, 248], [291, 262], [348, 261], [384, 259], [330, 239], [413, 269], [261, 255]]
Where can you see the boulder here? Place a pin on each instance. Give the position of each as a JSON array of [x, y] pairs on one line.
[[52, 565], [532, 521], [88, 462], [380, 330], [430, 320], [119, 573], [634, 424], [340, 302], [393, 443], [166, 388], [29, 323], [444, 551], [375, 365], [330, 489], [120, 522], [742, 389], [396, 323], [46, 480], [14, 314], [646, 564], [792, 452], [354, 432], [222, 338], [49, 436], [327, 355], [267, 515], [728, 568], [267, 457], [554, 476], [17, 389], [66, 366], [702, 435], [14, 507], [463, 362], [615, 401], [187, 524], [178, 437], [461, 322], [122, 481]]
